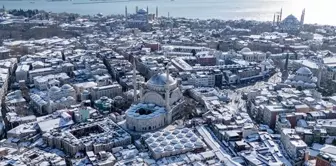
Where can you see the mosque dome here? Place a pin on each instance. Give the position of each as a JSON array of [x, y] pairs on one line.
[[70, 98], [63, 99], [245, 50], [304, 71], [291, 19], [159, 81], [142, 11], [287, 82], [66, 87], [54, 89]]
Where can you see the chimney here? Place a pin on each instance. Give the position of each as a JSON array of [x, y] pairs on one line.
[[136, 9]]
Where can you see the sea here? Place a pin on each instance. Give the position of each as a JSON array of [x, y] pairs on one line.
[[317, 11]]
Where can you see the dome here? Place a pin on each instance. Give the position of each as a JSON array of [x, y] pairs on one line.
[[54, 89], [142, 11], [154, 145], [70, 98], [300, 83], [158, 149], [287, 82], [291, 19], [178, 146], [118, 98], [66, 87], [63, 99], [313, 85], [160, 80], [245, 50], [304, 71], [169, 148], [150, 140]]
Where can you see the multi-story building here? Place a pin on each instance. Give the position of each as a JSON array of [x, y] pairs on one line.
[[4, 53], [101, 135], [270, 113], [21, 73], [109, 91], [293, 144], [252, 56]]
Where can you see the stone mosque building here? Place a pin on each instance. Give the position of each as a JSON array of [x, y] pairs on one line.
[[303, 78], [160, 103]]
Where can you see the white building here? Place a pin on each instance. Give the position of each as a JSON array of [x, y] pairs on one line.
[[21, 72], [172, 142], [100, 135], [302, 78], [56, 99], [45, 82], [201, 79], [293, 144], [140, 20], [160, 103], [110, 91], [172, 50], [290, 24], [61, 98], [252, 56]]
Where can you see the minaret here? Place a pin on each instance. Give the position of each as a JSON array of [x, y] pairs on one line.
[[134, 82], [147, 10], [278, 19], [285, 72], [319, 77], [167, 96], [320, 67], [48, 103], [136, 9], [303, 16], [280, 15], [141, 91], [274, 20], [126, 14], [157, 12]]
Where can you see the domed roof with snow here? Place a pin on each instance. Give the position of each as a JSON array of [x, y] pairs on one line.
[[142, 11], [66, 86], [291, 19], [304, 71], [245, 50], [160, 80], [54, 89]]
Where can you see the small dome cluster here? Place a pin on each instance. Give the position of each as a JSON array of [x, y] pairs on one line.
[[303, 78]]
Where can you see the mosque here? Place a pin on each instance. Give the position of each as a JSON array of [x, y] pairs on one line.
[[290, 24], [160, 103], [303, 78], [141, 19]]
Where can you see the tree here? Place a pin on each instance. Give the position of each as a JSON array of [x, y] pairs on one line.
[[334, 142]]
